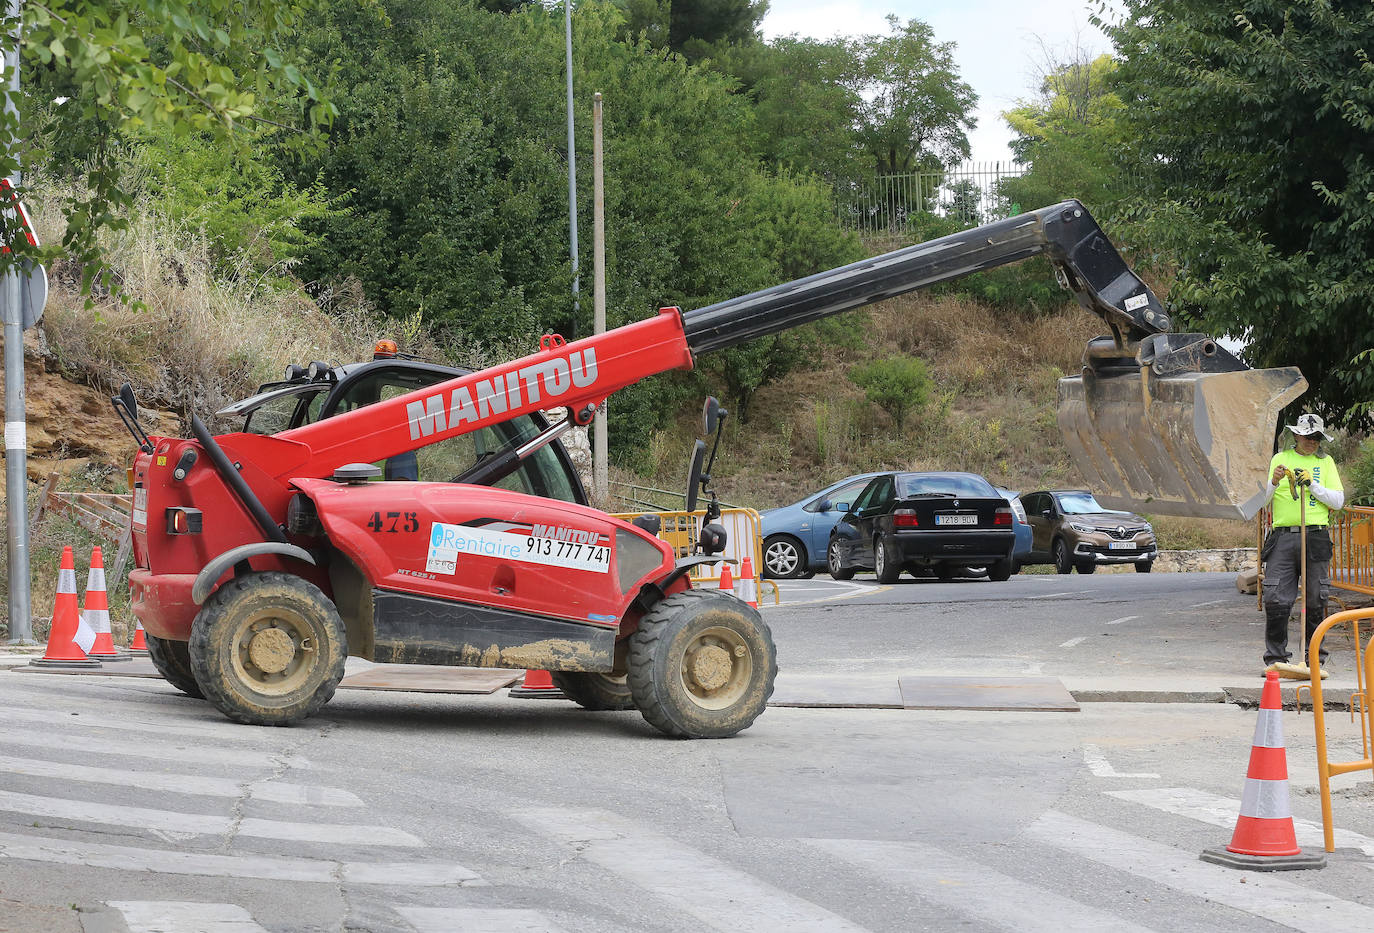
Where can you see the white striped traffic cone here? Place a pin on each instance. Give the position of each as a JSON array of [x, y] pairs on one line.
[[1264, 839], [748, 583], [96, 611], [70, 637]]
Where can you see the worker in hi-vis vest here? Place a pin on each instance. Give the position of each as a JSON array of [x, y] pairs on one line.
[[1298, 473]]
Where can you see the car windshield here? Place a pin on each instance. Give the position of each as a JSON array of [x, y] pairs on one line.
[[911, 485], [1078, 503]]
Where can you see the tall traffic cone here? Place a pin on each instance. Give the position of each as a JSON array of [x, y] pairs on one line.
[[537, 685], [727, 579], [70, 637], [140, 642], [1264, 839], [748, 583], [96, 612]]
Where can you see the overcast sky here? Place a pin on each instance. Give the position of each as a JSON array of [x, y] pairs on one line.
[[998, 43]]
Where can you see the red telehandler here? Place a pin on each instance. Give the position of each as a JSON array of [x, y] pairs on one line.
[[264, 560]]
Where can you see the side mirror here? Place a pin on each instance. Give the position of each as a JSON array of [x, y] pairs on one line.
[[694, 474], [126, 395], [711, 413], [825, 505]]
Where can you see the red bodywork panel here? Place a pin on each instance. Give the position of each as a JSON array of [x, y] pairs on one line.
[[575, 374]]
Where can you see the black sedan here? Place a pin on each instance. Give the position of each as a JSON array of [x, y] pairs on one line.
[[924, 521]]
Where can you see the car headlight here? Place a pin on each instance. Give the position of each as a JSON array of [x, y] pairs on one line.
[[1086, 529]]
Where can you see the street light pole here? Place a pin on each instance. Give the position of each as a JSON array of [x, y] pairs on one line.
[[572, 161], [16, 427]]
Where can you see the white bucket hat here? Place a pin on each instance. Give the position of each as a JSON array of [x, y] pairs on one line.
[[1308, 425]]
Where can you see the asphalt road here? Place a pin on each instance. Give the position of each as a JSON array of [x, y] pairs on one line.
[[125, 806]]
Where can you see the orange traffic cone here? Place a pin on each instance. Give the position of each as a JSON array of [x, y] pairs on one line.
[[70, 637], [748, 583], [96, 612], [727, 579], [140, 642], [537, 685], [1264, 839]]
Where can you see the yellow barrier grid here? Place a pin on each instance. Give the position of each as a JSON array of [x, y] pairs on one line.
[[1364, 674], [744, 537], [1352, 560]]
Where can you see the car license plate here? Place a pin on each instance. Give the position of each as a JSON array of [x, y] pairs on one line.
[[1121, 545], [956, 519]]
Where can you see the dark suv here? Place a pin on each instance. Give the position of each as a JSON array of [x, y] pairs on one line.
[[1071, 530]]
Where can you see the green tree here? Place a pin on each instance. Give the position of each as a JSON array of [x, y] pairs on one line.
[[1254, 124], [899, 385], [915, 108], [1070, 137], [696, 28], [216, 67]]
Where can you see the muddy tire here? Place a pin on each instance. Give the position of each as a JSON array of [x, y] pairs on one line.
[[594, 691], [173, 662], [702, 665], [268, 649]]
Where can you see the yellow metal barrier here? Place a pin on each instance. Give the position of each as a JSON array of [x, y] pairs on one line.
[[1364, 673], [744, 537]]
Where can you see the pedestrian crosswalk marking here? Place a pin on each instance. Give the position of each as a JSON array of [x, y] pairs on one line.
[[1100, 767], [162, 751], [187, 825], [275, 791], [1222, 811], [473, 919], [717, 894], [185, 917], [219, 728], [972, 889], [271, 868], [1263, 895]]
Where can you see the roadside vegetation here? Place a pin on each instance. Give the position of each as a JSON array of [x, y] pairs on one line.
[[218, 207]]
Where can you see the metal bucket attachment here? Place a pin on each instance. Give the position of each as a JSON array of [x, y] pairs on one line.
[[1191, 444]]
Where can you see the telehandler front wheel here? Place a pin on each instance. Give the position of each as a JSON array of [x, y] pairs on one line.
[[268, 649], [173, 662], [594, 691], [702, 665]]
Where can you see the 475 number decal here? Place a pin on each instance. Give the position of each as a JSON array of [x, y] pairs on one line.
[[393, 522]]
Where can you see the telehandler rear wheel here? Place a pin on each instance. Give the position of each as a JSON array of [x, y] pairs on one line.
[[702, 665], [268, 649], [594, 691], [173, 662]]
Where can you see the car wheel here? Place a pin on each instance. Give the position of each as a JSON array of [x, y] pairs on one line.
[[835, 561], [1062, 563], [1002, 570], [173, 662], [886, 567], [594, 691], [783, 557], [1085, 567], [1143, 566]]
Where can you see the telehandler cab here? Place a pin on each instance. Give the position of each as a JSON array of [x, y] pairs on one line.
[[264, 560]]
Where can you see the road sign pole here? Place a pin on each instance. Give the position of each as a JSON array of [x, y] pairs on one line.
[[16, 428]]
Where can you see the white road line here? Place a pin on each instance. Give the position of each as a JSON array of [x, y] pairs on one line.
[[1263, 895], [219, 730], [1074, 641], [1216, 810], [185, 917], [1052, 595], [324, 871], [163, 751], [276, 791], [198, 824], [1122, 619], [972, 889], [483, 919], [1099, 765], [719, 895], [1214, 602]]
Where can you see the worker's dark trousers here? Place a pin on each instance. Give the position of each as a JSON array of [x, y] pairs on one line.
[[1281, 572]]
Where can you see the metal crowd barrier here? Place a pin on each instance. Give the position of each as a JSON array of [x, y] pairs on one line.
[[1352, 561], [744, 538], [1364, 676]]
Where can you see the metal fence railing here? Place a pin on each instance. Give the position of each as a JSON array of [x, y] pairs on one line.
[[969, 194], [1352, 535]]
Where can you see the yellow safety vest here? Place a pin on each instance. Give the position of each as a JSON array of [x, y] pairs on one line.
[[1286, 508]]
